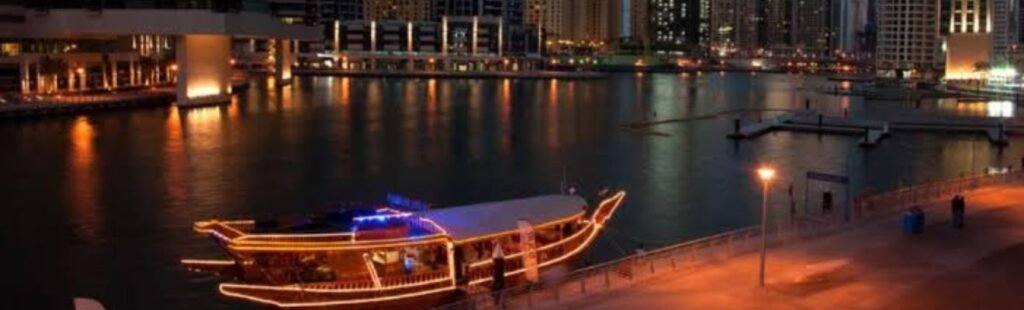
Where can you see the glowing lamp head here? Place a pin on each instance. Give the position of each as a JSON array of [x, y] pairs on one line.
[[766, 174]]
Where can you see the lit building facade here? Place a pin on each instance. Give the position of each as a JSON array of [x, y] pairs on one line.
[[734, 27], [814, 28], [909, 43], [132, 44], [551, 16], [402, 10], [675, 24]]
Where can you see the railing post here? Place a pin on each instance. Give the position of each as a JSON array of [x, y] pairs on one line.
[[607, 279], [529, 296]]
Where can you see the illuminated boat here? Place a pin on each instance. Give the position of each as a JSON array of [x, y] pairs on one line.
[[388, 256]]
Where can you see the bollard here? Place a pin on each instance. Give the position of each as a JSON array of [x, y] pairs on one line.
[[819, 119], [736, 127], [583, 285], [672, 259], [652, 264]]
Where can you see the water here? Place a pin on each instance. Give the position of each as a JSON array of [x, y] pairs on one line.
[[102, 205]]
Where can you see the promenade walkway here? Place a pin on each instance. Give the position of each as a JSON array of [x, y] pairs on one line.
[[868, 266]]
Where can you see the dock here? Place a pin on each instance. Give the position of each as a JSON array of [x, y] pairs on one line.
[[872, 132], [87, 103]]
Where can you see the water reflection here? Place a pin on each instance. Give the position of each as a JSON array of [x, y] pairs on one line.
[[84, 181], [288, 151]]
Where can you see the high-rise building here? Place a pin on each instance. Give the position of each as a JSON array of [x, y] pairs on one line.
[[777, 23], [403, 10], [908, 37], [734, 27], [675, 24], [1004, 28], [509, 10], [550, 15], [591, 20], [640, 21], [970, 16], [813, 27]]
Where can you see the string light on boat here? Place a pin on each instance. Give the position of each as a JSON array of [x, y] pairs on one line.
[[380, 218]]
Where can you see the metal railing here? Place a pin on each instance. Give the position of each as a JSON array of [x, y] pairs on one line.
[[693, 254]]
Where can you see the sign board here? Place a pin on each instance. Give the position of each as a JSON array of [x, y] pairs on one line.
[[528, 244], [825, 177]]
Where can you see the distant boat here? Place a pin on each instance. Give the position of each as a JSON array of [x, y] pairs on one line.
[[384, 255]]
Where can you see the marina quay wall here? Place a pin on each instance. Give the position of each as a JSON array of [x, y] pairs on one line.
[[695, 254]]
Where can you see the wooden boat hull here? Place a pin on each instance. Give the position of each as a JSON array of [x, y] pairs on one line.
[[438, 287]]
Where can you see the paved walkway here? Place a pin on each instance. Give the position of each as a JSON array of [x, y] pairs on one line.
[[872, 266]]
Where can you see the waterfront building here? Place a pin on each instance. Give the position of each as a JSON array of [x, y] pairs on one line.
[[675, 24], [640, 23], [909, 44], [68, 47], [511, 11], [401, 10], [1004, 30], [969, 44], [734, 27], [551, 16], [591, 20], [813, 28], [777, 24]]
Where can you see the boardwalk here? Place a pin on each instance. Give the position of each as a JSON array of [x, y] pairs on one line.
[[871, 266], [872, 132]]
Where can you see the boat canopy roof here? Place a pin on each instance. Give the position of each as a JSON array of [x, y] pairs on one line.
[[464, 222]]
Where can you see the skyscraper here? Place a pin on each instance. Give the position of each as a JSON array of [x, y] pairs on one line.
[[908, 37], [550, 15], [404, 10], [674, 24], [777, 23], [813, 27], [509, 10], [640, 22], [590, 20], [734, 27]]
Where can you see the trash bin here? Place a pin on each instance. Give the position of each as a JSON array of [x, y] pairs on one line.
[[908, 222], [918, 220]]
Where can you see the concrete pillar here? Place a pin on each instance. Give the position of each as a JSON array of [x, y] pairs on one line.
[[337, 39], [444, 42], [373, 45], [476, 31], [40, 88], [24, 74], [71, 77], [204, 69], [113, 73], [103, 74], [284, 58], [131, 72], [83, 75], [501, 36]]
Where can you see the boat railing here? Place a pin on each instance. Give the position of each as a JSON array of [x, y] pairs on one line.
[[386, 281], [707, 251]]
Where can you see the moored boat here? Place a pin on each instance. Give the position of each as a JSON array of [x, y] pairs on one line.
[[388, 254]]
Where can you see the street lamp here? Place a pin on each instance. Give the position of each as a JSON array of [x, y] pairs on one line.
[[766, 174]]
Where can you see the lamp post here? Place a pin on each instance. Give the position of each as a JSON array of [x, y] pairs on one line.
[[766, 174]]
